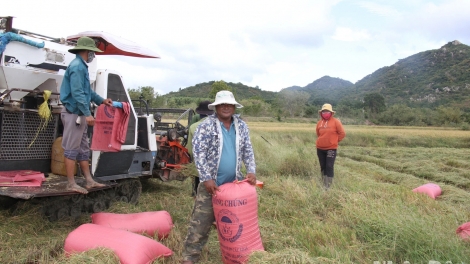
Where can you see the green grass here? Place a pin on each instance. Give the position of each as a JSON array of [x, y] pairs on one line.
[[370, 214]]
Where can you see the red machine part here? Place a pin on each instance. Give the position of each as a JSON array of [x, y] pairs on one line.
[[173, 155]]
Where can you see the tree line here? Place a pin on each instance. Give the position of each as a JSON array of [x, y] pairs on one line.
[[371, 109]]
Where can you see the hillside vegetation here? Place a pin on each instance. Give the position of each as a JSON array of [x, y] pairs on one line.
[[430, 88], [241, 91], [325, 89], [439, 77], [429, 78]]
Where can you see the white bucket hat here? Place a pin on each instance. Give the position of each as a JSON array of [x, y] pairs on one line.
[[224, 97]]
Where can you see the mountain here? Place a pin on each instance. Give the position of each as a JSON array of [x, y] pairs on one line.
[[240, 90], [325, 89], [294, 88], [429, 78]]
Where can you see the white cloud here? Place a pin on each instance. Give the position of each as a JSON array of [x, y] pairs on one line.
[[381, 10], [348, 34], [446, 21], [271, 44]]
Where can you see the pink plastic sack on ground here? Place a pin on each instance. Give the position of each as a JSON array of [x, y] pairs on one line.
[[129, 247], [236, 214], [149, 223], [431, 189], [464, 231]]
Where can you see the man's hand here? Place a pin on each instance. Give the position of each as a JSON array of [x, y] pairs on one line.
[[211, 187], [251, 177], [108, 102], [90, 120]]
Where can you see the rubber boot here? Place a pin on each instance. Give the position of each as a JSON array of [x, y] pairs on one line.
[[327, 182]]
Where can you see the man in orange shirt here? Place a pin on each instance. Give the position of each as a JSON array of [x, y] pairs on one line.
[[330, 132]]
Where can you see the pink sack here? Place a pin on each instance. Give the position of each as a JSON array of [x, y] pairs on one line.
[[25, 178], [431, 189], [110, 129], [236, 214], [129, 247], [464, 231], [149, 223]]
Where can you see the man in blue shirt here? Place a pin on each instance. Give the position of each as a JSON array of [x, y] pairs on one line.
[[76, 95], [220, 144]]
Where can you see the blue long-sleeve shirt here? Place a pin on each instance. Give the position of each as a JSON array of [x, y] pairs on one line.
[[75, 91]]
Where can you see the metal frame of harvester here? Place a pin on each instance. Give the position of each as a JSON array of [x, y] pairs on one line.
[[153, 147]]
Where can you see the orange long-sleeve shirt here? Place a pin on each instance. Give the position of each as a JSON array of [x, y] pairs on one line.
[[330, 133]]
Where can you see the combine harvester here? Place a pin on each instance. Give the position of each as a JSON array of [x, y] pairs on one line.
[[31, 64]]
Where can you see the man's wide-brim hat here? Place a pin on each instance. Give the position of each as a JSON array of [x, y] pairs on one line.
[[85, 43], [224, 97], [203, 108], [326, 107]]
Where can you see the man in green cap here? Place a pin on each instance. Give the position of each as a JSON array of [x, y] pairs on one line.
[[76, 95]]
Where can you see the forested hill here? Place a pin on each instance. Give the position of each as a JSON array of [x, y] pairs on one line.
[[429, 78], [241, 91], [325, 89]]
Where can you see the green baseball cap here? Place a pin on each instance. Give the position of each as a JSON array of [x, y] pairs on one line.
[[85, 43]]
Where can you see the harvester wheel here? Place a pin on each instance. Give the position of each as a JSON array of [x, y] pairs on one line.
[[98, 206], [56, 210], [51, 215], [123, 199], [75, 210], [124, 189], [111, 195], [76, 203], [88, 204], [135, 191], [77, 198], [62, 212]]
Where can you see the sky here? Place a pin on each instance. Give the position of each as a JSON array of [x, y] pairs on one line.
[[269, 44]]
